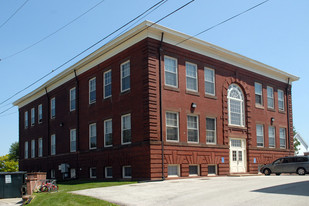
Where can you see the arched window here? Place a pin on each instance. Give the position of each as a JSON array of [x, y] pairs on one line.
[[236, 108]]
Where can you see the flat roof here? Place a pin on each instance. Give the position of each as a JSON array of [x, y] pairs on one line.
[[149, 29]]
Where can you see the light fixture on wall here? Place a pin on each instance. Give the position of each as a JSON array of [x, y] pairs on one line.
[[193, 105], [272, 120]]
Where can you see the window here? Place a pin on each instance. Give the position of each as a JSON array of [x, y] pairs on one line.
[[53, 108], [108, 172], [194, 170], [40, 114], [108, 84], [192, 125], [73, 173], [73, 140], [280, 100], [53, 144], [173, 170], [33, 148], [127, 171], [126, 129], [92, 90], [32, 116], [26, 150], [258, 93], [282, 138], [52, 174], [212, 169], [209, 76], [270, 97], [211, 136], [170, 72], [260, 135], [72, 99], [172, 132], [40, 145], [271, 136], [125, 76], [108, 133], [236, 106], [191, 76], [93, 172], [93, 136], [26, 119]]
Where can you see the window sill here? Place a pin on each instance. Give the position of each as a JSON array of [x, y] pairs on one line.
[[259, 106], [175, 89], [271, 109], [125, 91], [195, 93], [211, 96], [281, 111], [237, 127]]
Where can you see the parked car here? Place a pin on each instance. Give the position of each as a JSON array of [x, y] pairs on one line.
[[293, 164]]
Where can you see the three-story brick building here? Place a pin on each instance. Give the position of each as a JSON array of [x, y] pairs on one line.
[[155, 103]]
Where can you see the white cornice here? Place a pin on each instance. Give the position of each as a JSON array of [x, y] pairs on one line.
[[148, 29]]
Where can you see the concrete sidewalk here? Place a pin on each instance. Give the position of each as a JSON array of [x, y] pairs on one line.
[[11, 201], [241, 191]]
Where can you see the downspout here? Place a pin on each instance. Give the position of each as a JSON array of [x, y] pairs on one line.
[[288, 112], [77, 122], [160, 106], [48, 118]]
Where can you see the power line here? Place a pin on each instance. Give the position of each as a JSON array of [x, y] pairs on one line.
[[222, 22], [51, 34], [13, 14], [81, 53]]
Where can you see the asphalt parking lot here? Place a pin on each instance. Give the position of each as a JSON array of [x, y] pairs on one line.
[[252, 190]]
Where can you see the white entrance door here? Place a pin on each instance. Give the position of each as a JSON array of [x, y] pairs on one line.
[[237, 155]]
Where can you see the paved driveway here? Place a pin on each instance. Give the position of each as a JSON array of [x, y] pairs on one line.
[[253, 190]]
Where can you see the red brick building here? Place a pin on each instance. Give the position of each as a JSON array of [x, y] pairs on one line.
[[156, 99]]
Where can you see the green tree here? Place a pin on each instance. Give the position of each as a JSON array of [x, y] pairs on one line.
[[295, 142], [14, 151], [8, 165]]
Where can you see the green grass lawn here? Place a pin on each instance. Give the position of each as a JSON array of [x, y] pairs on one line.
[[63, 197]]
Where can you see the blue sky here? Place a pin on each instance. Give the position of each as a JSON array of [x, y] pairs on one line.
[[276, 33]]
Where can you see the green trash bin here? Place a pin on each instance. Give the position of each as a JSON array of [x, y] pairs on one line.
[[11, 184]]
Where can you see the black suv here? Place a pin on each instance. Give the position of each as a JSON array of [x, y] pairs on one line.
[[294, 164]]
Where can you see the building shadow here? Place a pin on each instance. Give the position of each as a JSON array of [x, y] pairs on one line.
[[297, 188]]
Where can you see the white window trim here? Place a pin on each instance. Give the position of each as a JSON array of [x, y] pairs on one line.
[[260, 104], [26, 119], [176, 73], [273, 99], [196, 78], [91, 175], [257, 135], [104, 91], [40, 113], [172, 126], [91, 136], [178, 170], [89, 90], [122, 117], [274, 137], [106, 176], [198, 170], [71, 150], [105, 145], [216, 170], [74, 88], [242, 117], [214, 81], [51, 144], [32, 116], [198, 130], [123, 171], [52, 173], [215, 131], [281, 109], [53, 116], [128, 61], [40, 147]]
